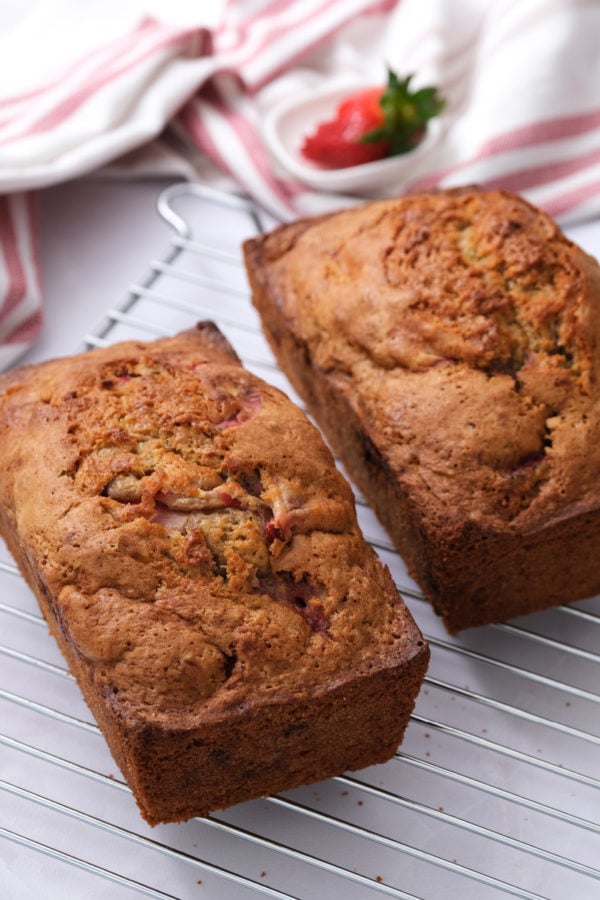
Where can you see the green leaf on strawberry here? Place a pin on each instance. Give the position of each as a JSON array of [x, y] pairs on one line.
[[405, 114]]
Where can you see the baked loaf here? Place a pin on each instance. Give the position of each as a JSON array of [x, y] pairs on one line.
[[449, 346], [197, 557]]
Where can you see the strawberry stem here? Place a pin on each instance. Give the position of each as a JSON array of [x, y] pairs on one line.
[[405, 114]]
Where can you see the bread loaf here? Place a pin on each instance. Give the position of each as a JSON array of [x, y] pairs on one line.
[[197, 557], [449, 346]]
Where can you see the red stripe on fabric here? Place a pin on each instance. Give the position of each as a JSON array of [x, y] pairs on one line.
[[31, 212], [101, 57], [275, 30], [253, 87], [266, 190], [253, 147], [544, 174], [267, 16], [26, 331], [17, 283], [563, 203], [311, 47], [65, 74], [307, 46], [293, 189], [244, 29], [192, 123], [66, 107], [544, 131]]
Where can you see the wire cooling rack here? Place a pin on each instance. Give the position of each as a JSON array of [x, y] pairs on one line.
[[494, 792]]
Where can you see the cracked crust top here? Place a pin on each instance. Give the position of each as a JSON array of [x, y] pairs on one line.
[[467, 310], [189, 529]]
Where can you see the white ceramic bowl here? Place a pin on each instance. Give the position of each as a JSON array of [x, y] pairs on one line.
[[288, 123]]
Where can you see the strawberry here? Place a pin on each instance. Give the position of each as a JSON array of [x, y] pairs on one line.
[[338, 143], [374, 123]]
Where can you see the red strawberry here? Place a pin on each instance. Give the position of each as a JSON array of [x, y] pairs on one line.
[[337, 144], [372, 124]]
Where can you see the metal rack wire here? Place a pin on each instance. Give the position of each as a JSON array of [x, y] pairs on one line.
[[494, 793]]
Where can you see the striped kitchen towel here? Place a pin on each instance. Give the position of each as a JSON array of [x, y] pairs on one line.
[[84, 89]]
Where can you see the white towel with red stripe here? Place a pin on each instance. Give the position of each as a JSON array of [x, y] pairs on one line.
[[186, 86]]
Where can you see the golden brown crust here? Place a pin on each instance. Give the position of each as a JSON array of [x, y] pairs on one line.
[[447, 344], [197, 556]]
